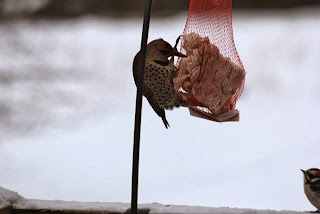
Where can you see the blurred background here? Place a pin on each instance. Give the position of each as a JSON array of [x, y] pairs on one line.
[[121, 8], [67, 106]]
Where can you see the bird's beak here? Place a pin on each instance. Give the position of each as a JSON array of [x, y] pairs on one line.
[[177, 53], [304, 172]]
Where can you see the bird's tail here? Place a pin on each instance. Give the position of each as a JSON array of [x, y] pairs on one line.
[[160, 111], [165, 122]]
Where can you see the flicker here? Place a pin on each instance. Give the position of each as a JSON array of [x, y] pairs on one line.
[[158, 77]]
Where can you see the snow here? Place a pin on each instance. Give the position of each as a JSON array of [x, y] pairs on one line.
[[8, 197], [153, 208], [161, 209], [71, 205], [66, 127]]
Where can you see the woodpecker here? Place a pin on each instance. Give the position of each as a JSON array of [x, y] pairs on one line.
[[311, 186], [158, 77]]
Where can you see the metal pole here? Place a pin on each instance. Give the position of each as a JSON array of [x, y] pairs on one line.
[[137, 124]]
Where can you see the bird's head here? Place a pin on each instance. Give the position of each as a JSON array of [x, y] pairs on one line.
[[311, 175], [160, 50]]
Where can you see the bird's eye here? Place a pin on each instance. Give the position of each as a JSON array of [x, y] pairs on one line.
[[311, 176], [164, 52]]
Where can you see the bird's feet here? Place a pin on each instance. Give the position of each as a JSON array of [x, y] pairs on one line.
[[317, 211]]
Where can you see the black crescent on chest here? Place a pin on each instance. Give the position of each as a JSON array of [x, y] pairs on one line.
[[162, 63]]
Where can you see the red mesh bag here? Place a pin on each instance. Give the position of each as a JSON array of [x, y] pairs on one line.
[[211, 79]]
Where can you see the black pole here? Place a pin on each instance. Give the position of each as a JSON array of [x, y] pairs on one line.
[[137, 124]]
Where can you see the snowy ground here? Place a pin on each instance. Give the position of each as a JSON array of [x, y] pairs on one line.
[[7, 198], [16, 202], [67, 106]]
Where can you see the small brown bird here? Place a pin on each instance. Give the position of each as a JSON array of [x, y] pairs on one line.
[[311, 186], [158, 77]]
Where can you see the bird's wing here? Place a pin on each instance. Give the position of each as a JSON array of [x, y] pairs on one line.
[[315, 186], [135, 67]]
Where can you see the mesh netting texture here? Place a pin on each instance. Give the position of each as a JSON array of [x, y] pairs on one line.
[[211, 79]]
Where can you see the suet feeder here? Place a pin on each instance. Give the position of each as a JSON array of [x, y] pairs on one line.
[[209, 80]]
